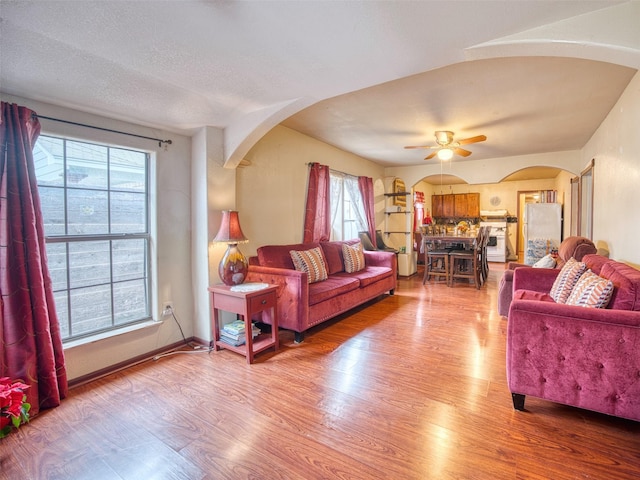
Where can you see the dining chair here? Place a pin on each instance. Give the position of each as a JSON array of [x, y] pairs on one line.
[[467, 263], [436, 262]]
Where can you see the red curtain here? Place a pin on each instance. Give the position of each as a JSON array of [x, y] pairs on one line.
[[365, 184], [317, 219], [29, 330]]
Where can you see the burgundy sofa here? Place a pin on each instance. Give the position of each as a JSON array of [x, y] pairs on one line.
[[301, 305], [576, 247], [583, 357]]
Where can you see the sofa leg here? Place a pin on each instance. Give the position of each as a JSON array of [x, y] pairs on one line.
[[518, 401], [298, 337], [392, 291]]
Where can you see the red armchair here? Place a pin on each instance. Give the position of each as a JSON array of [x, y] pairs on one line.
[[583, 357], [576, 247]]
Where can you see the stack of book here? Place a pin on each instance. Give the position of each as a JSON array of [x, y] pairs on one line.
[[234, 333]]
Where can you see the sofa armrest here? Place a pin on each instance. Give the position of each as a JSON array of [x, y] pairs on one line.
[[536, 279], [380, 258], [514, 265], [292, 294]]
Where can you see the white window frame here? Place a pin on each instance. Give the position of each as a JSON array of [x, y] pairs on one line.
[[145, 281]]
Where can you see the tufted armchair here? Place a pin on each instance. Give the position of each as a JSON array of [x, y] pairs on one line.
[[576, 247], [584, 357]]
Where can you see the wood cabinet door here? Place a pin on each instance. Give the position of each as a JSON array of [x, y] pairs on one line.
[[460, 205], [473, 205], [448, 205], [436, 206]]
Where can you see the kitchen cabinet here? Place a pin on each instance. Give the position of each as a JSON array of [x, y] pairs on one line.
[[460, 205]]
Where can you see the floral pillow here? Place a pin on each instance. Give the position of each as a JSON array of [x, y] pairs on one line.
[[353, 257], [566, 280], [591, 291], [311, 262]]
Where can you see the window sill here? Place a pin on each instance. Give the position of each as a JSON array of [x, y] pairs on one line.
[[110, 334]]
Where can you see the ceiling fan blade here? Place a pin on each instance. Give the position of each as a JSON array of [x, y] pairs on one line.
[[462, 152], [431, 156], [476, 139], [423, 146]]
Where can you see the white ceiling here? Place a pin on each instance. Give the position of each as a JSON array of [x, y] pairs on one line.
[[368, 77]]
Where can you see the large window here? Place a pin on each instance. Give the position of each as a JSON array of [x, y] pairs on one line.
[[95, 205], [347, 210]]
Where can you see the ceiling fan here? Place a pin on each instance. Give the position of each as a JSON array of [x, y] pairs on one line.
[[446, 146]]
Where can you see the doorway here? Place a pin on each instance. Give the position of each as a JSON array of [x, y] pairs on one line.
[[524, 197]]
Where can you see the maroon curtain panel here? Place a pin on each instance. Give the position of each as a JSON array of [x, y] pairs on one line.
[[365, 184], [317, 217], [31, 348]]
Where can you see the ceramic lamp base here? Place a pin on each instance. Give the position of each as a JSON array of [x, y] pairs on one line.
[[233, 267]]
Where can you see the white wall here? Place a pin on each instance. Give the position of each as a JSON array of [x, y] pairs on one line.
[[615, 147], [172, 278]]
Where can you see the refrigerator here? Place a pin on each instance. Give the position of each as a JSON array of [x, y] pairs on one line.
[[542, 230]]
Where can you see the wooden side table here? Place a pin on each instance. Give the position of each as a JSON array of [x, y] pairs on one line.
[[245, 304]]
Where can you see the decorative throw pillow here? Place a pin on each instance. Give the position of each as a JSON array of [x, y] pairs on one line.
[[353, 257], [545, 262], [311, 262], [566, 280], [591, 291]]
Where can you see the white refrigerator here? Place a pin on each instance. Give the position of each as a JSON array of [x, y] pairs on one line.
[[542, 230]]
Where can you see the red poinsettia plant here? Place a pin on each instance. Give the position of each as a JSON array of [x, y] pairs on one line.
[[14, 409]]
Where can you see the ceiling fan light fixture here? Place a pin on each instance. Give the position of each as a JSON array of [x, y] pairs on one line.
[[445, 154]]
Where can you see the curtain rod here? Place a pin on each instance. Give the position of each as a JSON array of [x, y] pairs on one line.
[[159, 140], [336, 171]]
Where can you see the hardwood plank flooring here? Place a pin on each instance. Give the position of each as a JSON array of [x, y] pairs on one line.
[[411, 386]]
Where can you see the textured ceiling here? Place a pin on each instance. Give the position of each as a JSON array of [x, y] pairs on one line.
[[368, 77]]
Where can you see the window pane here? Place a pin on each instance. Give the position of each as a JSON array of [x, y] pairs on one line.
[[62, 310], [129, 301], [89, 263], [129, 259], [128, 170], [88, 212], [128, 213], [52, 204], [86, 165], [90, 309], [57, 260], [48, 157]]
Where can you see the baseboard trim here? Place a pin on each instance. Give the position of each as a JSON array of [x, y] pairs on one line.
[[90, 377]]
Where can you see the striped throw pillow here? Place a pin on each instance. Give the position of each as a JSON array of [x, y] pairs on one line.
[[311, 262], [566, 280], [591, 291], [353, 257]]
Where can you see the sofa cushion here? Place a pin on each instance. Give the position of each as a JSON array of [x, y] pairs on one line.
[[369, 274], [311, 262], [626, 279], [333, 254], [591, 291], [566, 280], [595, 262], [353, 257], [278, 256], [331, 288]]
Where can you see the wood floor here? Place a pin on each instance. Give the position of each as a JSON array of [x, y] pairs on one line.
[[411, 387]]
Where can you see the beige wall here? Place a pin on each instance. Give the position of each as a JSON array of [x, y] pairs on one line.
[[272, 190], [615, 147]]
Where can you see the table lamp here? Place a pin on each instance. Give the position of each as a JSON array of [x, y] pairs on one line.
[[233, 266]]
